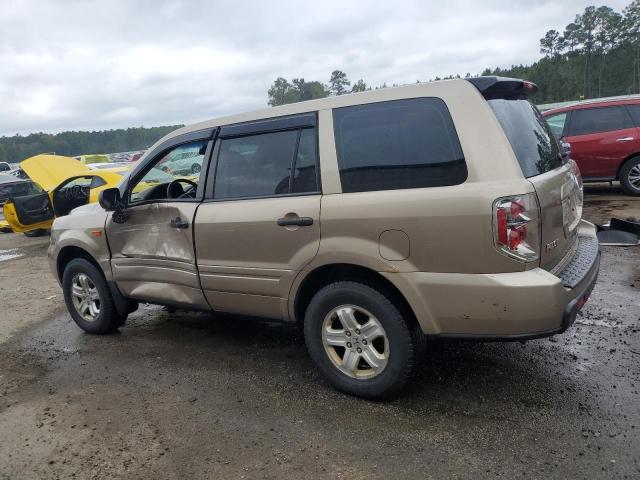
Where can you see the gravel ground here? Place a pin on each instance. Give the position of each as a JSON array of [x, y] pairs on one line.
[[194, 396]]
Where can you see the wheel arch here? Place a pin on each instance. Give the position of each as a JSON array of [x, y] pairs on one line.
[[624, 162], [323, 275], [69, 253]]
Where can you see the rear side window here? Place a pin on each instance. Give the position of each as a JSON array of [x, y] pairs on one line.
[[398, 144], [634, 110], [594, 120], [529, 134], [267, 164]]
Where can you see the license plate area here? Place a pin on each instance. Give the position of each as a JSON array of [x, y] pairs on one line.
[[571, 206]]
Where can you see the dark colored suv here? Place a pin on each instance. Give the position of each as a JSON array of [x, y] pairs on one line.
[[605, 139]]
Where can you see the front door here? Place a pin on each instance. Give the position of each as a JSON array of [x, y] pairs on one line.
[[601, 139], [151, 244], [260, 223], [29, 212]]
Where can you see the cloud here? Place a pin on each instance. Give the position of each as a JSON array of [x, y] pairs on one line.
[[99, 64]]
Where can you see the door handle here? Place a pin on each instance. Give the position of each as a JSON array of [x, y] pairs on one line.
[[178, 223], [625, 139], [295, 221]]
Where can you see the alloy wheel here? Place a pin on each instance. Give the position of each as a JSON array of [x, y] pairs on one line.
[[85, 296], [355, 342], [634, 177]]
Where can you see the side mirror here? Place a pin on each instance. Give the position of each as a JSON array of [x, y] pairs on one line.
[[565, 149], [110, 199]]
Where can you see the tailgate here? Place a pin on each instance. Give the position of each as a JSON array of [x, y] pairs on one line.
[[560, 199]]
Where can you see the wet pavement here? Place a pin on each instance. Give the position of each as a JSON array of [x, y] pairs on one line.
[[196, 396]]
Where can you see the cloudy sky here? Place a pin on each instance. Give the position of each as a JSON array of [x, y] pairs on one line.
[[83, 64]]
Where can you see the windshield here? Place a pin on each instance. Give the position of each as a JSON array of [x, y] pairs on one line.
[[531, 138]]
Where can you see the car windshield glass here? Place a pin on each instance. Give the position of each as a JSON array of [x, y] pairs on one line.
[[531, 138]]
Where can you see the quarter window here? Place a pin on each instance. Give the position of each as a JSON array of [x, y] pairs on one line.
[[267, 164], [397, 144], [634, 110], [97, 182], [594, 120]]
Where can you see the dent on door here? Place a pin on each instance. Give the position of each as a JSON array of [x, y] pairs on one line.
[[153, 257]]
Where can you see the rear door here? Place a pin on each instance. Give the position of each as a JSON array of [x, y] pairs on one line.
[[601, 139], [152, 252], [260, 222]]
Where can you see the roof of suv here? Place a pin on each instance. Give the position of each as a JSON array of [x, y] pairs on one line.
[[596, 102], [482, 85]]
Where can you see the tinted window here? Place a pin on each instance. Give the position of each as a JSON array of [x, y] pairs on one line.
[[593, 120], [256, 165], [397, 144], [556, 123], [634, 110], [529, 134]]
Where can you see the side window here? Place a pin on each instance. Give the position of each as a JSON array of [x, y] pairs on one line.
[[182, 165], [397, 144], [594, 120], [266, 164], [304, 175], [556, 123], [84, 182], [634, 110]]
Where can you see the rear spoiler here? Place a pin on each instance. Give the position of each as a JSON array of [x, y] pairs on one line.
[[503, 87]]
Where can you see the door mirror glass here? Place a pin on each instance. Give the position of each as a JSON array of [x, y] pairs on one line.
[[565, 149], [109, 199]]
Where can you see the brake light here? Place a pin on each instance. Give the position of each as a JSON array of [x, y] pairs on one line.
[[517, 226]]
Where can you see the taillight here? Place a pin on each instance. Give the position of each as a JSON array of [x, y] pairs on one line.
[[516, 226]]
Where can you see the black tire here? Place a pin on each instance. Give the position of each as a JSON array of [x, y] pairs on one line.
[[196, 168], [108, 320], [402, 344], [36, 233], [631, 167]]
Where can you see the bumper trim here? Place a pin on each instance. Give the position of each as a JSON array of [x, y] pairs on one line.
[[572, 309]]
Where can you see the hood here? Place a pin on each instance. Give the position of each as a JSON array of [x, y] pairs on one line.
[[88, 208], [49, 171]]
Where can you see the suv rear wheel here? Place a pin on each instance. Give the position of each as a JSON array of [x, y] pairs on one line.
[[630, 176], [359, 341], [88, 298]]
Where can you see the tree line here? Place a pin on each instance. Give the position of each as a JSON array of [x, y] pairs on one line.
[[17, 148], [598, 54]]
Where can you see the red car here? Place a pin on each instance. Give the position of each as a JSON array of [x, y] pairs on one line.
[[605, 139]]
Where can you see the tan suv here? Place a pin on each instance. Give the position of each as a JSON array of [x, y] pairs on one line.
[[442, 209]]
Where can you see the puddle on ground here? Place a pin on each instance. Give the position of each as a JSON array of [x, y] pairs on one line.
[[600, 323], [10, 254]]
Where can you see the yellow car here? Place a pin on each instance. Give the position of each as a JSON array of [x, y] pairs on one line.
[[66, 184]]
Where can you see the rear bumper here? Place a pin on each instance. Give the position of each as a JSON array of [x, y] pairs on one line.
[[508, 306]]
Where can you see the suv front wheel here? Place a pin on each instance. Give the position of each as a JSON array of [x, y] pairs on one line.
[[358, 340], [88, 298], [630, 176]]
